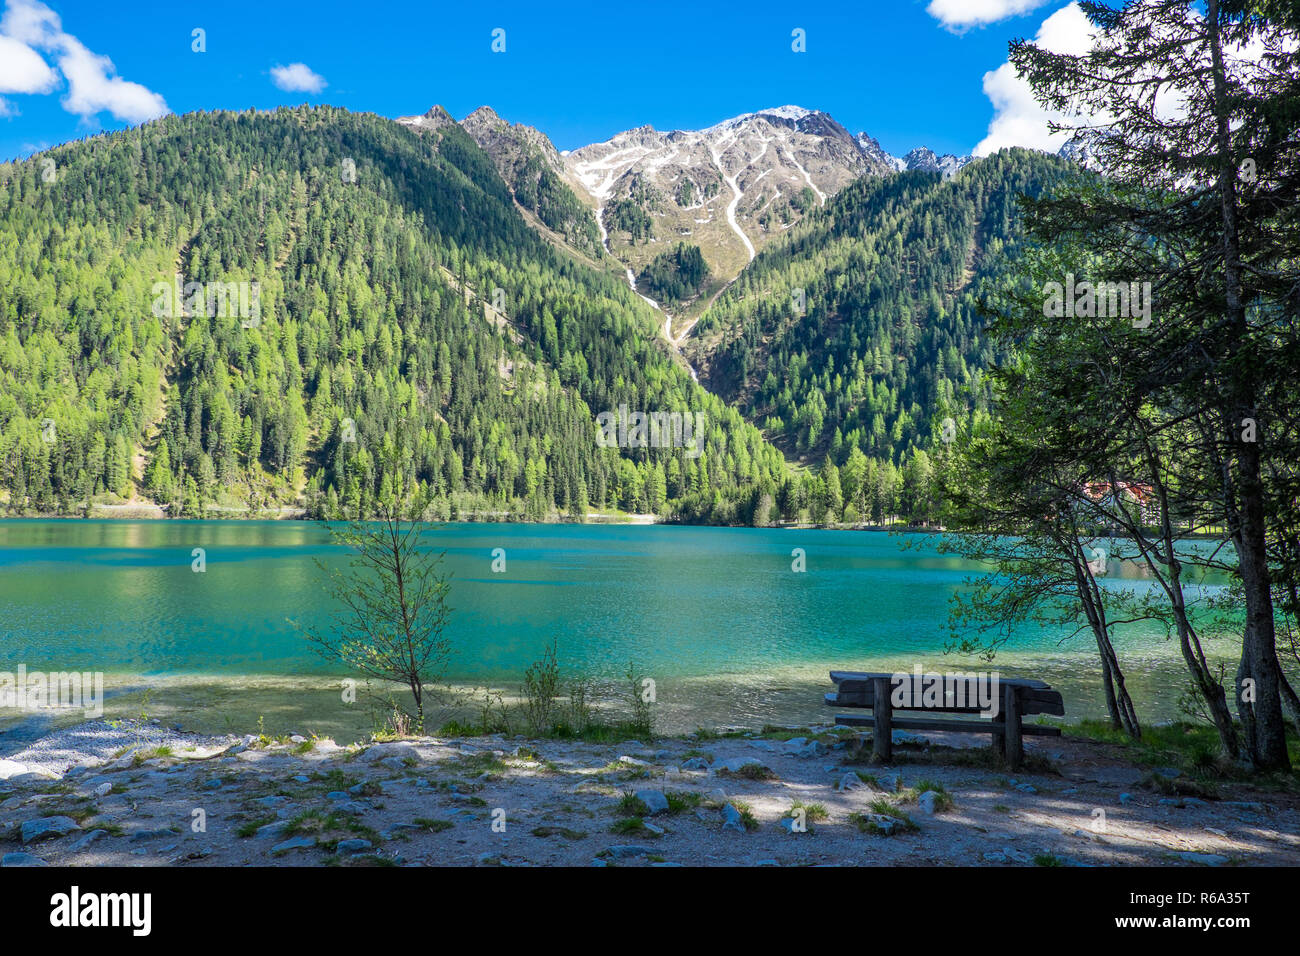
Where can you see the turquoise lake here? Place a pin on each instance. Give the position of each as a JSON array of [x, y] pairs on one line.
[[730, 633]]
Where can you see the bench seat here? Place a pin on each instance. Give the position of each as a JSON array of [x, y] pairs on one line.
[[956, 726]]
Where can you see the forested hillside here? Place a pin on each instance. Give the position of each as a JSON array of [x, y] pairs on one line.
[[852, 339], [675, 275], [400, 300]]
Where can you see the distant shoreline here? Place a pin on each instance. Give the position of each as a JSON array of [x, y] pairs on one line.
[[298, 513], [152, 512]]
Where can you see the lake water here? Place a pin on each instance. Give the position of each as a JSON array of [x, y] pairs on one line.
[[729, 632]]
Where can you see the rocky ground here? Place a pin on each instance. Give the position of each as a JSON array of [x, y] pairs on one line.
[[139, 794]]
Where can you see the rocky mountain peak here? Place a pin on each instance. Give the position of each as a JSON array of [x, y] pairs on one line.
[[483, 116], [872, 149], [925, 160], [728, 188], [436, 118]]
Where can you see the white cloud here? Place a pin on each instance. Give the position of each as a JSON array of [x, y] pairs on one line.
[[93, 83], [297, 77], [92, 87], [1018, 119], [1067, 31], [22, 70], [960, 14], [30, 22]]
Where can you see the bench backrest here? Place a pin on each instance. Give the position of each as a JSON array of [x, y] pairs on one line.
[[947, 693]]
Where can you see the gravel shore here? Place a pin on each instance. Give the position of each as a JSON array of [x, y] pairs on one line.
[[139, 794], [93, 743]]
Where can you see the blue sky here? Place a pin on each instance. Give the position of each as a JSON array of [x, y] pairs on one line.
[[909, 72]]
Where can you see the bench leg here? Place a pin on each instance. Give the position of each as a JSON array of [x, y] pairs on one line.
[[1015, 750], [882, 709]]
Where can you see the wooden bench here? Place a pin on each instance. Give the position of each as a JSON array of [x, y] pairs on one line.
[[1014, 698]]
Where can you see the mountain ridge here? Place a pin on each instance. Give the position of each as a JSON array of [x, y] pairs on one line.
[[729, 188]]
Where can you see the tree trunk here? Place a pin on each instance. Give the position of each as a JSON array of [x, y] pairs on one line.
[[1118, 703], [1108, 684], [1267, 740], [1170, 578], [1292, 702]]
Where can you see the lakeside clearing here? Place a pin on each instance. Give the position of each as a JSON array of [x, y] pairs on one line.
[[130, 793]]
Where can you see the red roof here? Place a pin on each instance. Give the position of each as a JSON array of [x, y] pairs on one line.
[[1139, 492]]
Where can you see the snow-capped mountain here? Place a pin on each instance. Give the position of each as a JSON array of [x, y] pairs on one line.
[[729, 188], [1077, 151], [926, 161]]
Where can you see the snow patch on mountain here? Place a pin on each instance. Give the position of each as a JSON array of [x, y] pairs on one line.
[[792, 114], [737, 195], [756, 165]]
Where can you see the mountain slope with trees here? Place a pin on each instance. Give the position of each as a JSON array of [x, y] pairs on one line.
[[402, 301], [853, 338]]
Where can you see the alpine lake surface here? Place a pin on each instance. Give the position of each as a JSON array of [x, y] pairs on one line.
[[731, 633]]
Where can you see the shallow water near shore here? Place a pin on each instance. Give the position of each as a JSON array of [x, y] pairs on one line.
[[731, 634]]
